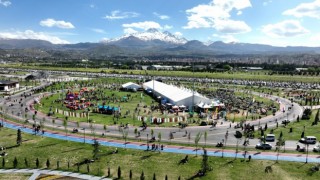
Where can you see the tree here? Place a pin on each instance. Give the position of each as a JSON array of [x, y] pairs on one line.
[[154, 176], [316, 118], [142, 176], [88, 168], [124, 136], [96, 150], [130, 174], [19, 137], [189, 137], [159, 139], [302, 134], [152, 133], [204, 165], [205, 138], [265, 126], [279, 143], [15, 162], [3, 162], [48, 163], [298, 118], [119, 172], [26, 162], [196, 141], [65, 125], [166, 177], [37, 163]]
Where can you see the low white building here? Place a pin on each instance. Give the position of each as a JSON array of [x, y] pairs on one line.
[[174, 95], [9, 86], [130, 86]]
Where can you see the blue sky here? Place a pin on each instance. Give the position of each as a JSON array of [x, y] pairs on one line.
[[275, 22]]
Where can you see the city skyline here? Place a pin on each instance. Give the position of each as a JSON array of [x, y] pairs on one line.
[[278, 23]]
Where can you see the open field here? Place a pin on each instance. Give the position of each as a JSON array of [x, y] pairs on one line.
[[225, 75], [150, 162]]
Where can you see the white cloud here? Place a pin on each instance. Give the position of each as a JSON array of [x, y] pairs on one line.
[[208, 15], [163, 17], [229, 26], [53, 23], [129, 31], [92, 6], [5, 3], [265, 3], [239, 13], [305, 9], [29, 34], [179, 34], [228, 38], [101, 31], [143, 25], [288, 28], [121, 15], [167, 27]]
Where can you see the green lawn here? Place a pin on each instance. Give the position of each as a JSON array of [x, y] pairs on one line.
[[15, 176], [223, 75], [297, 128], [150, 162]]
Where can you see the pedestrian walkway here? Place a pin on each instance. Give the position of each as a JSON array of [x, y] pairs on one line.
[[36, 172], [268, 155]]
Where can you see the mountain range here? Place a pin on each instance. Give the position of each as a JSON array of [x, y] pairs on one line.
[[153, 41]]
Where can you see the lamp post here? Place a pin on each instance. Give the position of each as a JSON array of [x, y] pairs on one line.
[[84, 135]]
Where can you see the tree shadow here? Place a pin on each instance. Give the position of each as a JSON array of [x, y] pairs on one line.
[[72, 150], [47, 145], [146, 157]]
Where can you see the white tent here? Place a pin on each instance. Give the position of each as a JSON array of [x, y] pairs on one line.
[[130, 85], [175, 95]]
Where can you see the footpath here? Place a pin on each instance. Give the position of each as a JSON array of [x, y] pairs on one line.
[[37, 172]]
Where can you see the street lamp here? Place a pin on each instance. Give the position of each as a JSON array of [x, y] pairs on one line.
[[84, 135]]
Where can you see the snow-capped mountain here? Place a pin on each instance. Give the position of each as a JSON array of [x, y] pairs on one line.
[[151, 36]]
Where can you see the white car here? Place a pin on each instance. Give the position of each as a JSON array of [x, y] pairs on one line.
[[316, 148]]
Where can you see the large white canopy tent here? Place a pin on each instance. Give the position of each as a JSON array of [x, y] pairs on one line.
[[175, 95]]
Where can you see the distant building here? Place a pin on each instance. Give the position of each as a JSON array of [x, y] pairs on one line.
[[253, 68], [8, 86]]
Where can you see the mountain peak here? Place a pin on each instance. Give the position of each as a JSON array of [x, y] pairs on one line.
[[152, 35]]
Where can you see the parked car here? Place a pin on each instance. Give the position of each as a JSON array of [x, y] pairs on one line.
[[265, 146], [270, 137], [308, 140], [316, 148]]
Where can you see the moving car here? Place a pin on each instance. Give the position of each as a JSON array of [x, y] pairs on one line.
[[308, 140], [270, 137], [265, 146]]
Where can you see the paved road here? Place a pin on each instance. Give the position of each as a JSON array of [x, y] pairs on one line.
[[265, 155], [37, 172]]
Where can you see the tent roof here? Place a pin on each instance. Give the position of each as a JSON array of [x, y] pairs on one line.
[[168, 91], [130, 84]]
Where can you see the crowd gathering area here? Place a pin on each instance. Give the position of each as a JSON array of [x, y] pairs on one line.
[[111, 103]]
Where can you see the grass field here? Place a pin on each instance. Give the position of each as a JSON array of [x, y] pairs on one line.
[[15, 176], [224, 75], [149, 162]]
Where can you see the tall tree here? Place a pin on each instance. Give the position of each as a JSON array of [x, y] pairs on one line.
[[196, 141], [205, 138], [119, 172], [96, 149], [159, 140], [19, 137], [15, 162]]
